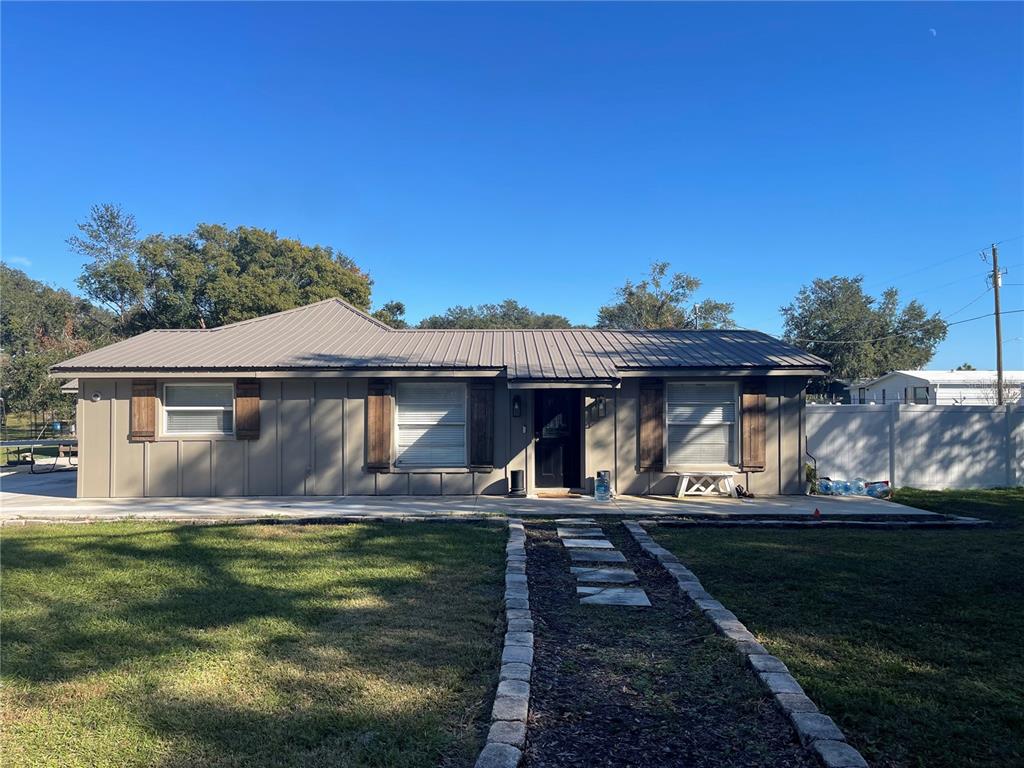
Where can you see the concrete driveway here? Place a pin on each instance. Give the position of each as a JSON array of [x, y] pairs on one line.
[[51, 497]]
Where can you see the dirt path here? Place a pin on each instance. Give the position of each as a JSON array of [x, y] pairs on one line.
[[629, 686]]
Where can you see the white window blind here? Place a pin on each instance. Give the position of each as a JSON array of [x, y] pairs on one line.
[[430, 421], [199, 409], [701, 422]]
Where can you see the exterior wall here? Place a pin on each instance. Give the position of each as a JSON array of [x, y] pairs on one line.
[[924, 446], [312, 444], [784, 455]]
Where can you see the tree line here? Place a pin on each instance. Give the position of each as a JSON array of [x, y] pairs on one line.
[[214, 275]]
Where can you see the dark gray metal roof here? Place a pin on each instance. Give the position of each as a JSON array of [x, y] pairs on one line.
[[331, 335]]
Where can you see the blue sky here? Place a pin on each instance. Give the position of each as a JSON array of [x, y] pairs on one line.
[[464, 153]]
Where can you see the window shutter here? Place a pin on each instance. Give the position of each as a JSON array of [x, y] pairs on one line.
[[247, 410], [378, 426], [481, 425], [652, 426], [752, 417], [142, 411]]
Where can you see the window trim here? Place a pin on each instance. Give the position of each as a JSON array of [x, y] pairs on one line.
[[397, 462], [737, 433], [165, 429]]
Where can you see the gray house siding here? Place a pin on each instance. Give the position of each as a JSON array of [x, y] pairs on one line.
[[312, 443]]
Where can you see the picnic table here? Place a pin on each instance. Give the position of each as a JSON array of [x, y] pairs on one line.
[[67, 446]]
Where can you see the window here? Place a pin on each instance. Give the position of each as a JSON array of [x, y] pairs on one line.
[[199, 409], [921, 395], [862, 395], [430, 422], [701, 421]]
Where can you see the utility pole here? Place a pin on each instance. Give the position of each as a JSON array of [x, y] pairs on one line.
[[996, 279]]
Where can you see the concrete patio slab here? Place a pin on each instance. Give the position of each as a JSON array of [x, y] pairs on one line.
[[51, 497]]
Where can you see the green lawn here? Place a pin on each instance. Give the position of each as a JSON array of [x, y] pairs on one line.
[[151, 644], [911, 640]]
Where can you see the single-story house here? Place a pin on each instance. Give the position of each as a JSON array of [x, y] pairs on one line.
[[938, 388], [326, 400]]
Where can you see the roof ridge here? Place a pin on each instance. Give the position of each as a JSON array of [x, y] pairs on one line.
[[335, 299]]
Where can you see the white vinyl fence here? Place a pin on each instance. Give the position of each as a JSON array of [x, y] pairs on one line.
[[923, 446]]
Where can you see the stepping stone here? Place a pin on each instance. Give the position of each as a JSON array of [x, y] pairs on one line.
[[570, 532], [604, 575], [613, 596], [596, 556], [575, 521], [588, 544]]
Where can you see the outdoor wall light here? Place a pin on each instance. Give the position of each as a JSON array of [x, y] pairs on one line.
[[600, 407], [96, 397], [517, 407]]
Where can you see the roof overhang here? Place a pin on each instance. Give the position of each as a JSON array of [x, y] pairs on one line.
[[563, 384], [719, 373]]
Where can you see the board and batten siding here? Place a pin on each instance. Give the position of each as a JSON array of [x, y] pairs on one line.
[[311, 443]]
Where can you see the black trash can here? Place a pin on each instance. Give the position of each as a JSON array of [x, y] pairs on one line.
[[517, 483]]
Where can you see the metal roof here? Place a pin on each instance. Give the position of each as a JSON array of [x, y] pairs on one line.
[[332, 335]]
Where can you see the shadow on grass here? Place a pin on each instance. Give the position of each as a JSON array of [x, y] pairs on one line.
[[280, 645]]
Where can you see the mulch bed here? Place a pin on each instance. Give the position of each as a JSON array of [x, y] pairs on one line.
[[620, 686]]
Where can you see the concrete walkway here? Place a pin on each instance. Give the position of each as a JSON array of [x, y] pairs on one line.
[[51, 497]]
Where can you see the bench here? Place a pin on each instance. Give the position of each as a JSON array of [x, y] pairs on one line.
[[698, 483]]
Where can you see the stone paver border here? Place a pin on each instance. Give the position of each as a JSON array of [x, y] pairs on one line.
[[815, 730], [507, 735]]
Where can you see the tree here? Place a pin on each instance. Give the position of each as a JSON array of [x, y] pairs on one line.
[[392, 313], [214, 276], [863, 337], [40, 326], [208, 277], [652, 303], [965, 367], [109, 239], [507, 314]]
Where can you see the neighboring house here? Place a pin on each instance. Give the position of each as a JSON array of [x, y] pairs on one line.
[[326, 400], [938, 388]]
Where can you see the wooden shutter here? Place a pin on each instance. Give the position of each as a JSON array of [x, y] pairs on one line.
[[752, 421], [652, 426], [378, 427], [481, 425], [142, 412], [247, 410]]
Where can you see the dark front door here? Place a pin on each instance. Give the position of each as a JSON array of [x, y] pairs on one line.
[[557, 433]]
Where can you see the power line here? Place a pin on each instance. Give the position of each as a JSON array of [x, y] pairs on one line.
[[904, 333], [946, 261], [975, 300]]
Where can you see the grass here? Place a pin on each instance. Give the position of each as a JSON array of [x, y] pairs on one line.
[[911, 640], [147, 644]]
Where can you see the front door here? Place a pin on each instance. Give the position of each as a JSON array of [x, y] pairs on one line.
[[557, 433]]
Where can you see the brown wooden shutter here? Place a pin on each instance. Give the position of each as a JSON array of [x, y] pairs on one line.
[[142, 412], [752, 421], [247, 410], [652, 426], [481, 425], [378, 427]]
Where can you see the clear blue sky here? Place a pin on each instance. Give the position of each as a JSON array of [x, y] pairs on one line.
[[465, 153]]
